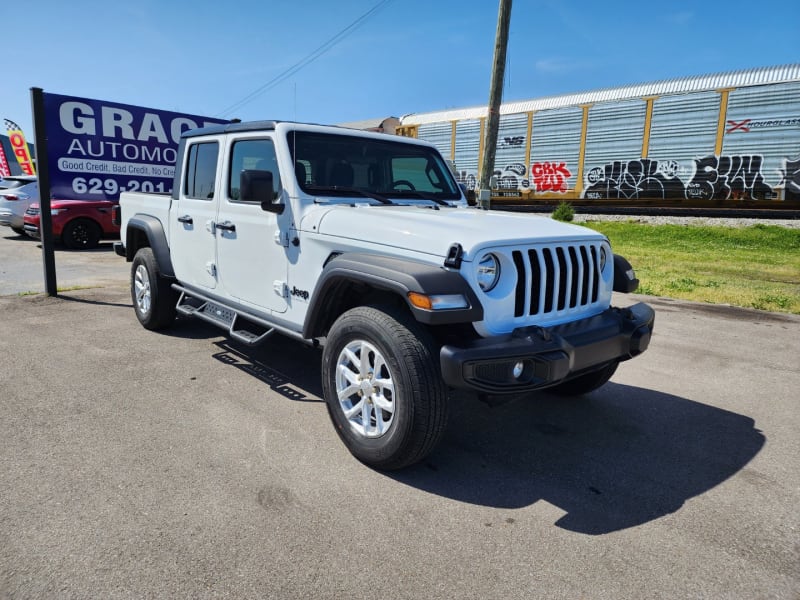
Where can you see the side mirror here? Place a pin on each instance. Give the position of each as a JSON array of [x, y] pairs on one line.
[[257, 186]]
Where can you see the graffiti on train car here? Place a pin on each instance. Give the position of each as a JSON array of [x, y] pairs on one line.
[[727, 177], [641, 178], [550, 176], [509, 181], [468, 179], [791, 178]]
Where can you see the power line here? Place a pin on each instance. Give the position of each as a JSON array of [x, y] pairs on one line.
[[305, 61]]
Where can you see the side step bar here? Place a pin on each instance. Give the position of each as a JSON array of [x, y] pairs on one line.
[[241, 328]]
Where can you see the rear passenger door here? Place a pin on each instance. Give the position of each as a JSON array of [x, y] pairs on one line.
[[192, 231]]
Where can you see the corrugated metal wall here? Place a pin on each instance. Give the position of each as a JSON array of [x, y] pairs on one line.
[[555, 148], [614, 132], [511, 152], [731, 137], [763, 121], [684, 127], [439, 134], [468, 136]]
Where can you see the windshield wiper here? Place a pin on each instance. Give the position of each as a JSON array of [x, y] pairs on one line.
[[350, 190]]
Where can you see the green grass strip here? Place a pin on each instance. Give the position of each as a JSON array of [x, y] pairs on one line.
[[754, 267]]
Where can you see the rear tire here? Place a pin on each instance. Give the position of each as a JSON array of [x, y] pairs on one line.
[[81, 234], [18, 230], [583, 384], [153, 299], [383, 386]]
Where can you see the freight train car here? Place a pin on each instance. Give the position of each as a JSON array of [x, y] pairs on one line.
[[729, 139]]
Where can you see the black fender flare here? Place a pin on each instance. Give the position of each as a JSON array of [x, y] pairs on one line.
[[153, 229], [395, 275], [624, 276]]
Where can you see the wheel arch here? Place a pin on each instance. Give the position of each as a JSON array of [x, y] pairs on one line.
[[147, 230], [75, 218], [353, 279], [624, 276], [66, 228]]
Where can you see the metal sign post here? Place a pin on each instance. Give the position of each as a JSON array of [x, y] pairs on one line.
[[43, 172]]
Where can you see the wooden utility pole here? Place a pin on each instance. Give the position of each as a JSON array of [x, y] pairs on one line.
[[495, 98]]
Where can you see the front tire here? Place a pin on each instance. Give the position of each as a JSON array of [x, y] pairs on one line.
[[153, 299], [383, 387]]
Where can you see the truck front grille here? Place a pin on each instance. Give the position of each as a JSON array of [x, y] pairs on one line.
[[555, 278]]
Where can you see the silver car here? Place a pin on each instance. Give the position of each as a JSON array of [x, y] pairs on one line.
[[15, 200], [14, 181]]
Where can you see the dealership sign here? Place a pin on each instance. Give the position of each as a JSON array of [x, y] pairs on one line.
[[98, 149]]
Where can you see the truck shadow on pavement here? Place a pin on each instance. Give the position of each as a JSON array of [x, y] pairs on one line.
[[617, 458], [254, 363]]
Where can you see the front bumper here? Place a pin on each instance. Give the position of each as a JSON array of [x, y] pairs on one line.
[[537, 357], [32, 231], [9, 219]]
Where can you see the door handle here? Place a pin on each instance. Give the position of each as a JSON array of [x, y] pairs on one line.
[[186, 219], [226, 226]]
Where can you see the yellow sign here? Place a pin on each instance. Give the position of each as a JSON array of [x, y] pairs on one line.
[[20, 147]]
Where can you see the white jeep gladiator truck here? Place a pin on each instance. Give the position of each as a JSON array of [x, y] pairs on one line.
[[363, 244]]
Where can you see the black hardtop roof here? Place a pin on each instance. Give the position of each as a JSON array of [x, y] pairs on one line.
[[231, 128], [238, 127]]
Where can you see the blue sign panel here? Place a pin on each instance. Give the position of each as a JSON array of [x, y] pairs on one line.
[[98, 149]]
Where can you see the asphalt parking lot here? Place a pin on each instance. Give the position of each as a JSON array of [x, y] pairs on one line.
[[22, 270], [145, 465]]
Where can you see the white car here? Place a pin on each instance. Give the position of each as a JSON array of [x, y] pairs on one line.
[[15, 200], [14, 181]]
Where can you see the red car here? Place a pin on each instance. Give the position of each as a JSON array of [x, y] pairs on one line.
[[79, 224]]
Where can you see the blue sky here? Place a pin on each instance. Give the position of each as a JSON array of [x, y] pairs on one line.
[[203, 57]]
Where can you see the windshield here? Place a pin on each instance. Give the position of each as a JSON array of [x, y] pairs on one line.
[[342, 165]]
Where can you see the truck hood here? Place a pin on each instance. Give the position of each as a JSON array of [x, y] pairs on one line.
[[433, 231]]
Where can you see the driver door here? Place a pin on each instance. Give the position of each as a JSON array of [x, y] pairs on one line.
[[251, 255]]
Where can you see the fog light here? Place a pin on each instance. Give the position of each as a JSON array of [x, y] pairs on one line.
[[522, 371], [518, 370]]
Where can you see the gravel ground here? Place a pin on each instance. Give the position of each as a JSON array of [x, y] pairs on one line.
[[661, 220]]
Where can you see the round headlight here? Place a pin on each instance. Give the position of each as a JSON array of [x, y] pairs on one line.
[[603, 258], [488, 272]]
